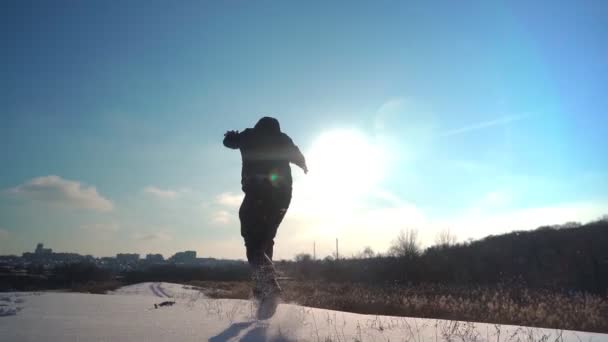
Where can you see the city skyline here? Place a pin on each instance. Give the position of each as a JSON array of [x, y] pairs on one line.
[[69, 256]]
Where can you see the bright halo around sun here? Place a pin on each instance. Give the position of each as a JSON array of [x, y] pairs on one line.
[[344, 166]]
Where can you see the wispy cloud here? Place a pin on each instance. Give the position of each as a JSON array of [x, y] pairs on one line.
[[225, 207], [3, 233], [152, 236], [167, 194], [222, 217], [504, 120], [63, 192], [101, 227], [229, 199], [498, 197]]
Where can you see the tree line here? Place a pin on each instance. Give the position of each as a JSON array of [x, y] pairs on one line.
[[570, 257], [565, 257]]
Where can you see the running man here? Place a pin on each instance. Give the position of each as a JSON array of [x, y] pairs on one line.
[[266, 181]]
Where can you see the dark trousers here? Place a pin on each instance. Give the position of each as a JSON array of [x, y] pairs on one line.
[[261, 213]]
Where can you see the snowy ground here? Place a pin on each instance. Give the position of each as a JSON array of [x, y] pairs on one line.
[[128, 314]]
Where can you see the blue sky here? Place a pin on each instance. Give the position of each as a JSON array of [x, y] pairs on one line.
[[481, 117]]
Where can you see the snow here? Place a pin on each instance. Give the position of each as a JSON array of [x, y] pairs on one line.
[[160, 290], [128, 314]]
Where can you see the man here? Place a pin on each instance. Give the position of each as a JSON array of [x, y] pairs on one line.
[[266, 180]]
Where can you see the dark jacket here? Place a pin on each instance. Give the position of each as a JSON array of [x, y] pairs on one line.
[[266, 153]]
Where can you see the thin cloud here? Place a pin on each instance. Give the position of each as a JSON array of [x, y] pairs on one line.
[[389, 109], [63, 192], [3, 233], [222, 217], [153, 236], [498, 197], [388, 196], [485, 124], [101, 227], [160, 193], [229, 199]]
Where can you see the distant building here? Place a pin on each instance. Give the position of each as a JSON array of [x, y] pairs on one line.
[[48, 258], [184, 257], [155, 258], [40, 250], [66, 257], [107, 260], [125, 258]]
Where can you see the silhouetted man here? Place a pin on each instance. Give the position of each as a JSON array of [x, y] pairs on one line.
[[266, 181]]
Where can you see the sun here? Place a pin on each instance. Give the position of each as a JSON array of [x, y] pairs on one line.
[[346, 170], [344, 165]]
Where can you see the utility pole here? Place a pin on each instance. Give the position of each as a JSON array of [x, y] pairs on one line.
[[337, 254], [314, 250]]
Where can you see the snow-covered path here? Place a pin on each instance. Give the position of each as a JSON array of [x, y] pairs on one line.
[[128, 314]]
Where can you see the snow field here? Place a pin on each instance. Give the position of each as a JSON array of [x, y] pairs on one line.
[[128, 314]]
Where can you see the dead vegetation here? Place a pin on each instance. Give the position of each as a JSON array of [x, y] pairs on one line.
[[496, 304]]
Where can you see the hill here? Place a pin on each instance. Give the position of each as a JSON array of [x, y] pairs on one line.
[[570, 257]]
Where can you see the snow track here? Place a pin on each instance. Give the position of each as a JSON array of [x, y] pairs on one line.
[[158, 291], [11, 303]]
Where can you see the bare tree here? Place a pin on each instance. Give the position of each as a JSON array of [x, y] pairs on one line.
[[367, 253], [406, 244], [569, 225], [445, 238], [303, 257]]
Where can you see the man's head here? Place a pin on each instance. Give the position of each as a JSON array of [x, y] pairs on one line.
[[268, 125]]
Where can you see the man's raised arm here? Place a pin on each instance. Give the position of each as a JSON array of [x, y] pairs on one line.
[[297, 158], [294, 155]]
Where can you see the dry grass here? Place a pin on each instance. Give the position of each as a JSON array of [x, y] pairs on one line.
[[223, 289], [501, 305]]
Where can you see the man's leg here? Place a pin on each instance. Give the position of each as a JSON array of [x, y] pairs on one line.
[[261, 266], [253, 215], [261, 214], [275, 214]]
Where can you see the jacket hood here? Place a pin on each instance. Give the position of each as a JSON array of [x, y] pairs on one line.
[[268, 125]]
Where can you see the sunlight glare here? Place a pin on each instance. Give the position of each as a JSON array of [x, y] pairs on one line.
[[345, 165]]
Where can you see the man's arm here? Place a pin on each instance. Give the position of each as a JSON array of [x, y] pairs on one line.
[[232, 139], [298, 158], [294, 155]]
